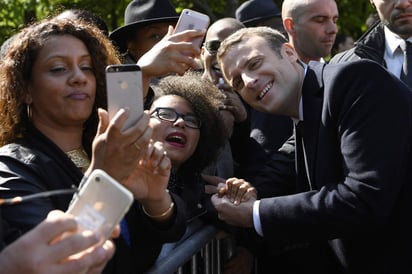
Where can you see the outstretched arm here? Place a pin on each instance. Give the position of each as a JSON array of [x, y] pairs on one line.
[[42, 250], [173, 54]]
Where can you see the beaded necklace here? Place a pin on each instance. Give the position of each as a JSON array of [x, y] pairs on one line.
[[80, 158]]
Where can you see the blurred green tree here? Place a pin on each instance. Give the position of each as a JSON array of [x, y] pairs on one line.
[[16, 13]]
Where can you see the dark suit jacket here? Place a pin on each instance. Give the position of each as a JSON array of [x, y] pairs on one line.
[[354, 188]]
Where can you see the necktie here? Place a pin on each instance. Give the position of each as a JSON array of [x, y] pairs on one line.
[[406, 73], [299, 127]]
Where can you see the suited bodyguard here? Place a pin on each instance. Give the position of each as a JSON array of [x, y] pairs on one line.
[[383, 42], [352, 184]]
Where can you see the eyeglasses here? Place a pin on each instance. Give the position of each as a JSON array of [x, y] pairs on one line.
[[169, 114], [212, 46]]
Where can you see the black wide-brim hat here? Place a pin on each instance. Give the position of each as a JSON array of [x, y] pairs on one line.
[[253, 11], [140, 13]]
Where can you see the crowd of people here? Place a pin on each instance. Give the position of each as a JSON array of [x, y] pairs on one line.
[[306, 163]]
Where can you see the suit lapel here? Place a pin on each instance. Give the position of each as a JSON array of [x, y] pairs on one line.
[[304, 181]]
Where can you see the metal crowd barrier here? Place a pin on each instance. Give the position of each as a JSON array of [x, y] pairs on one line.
[[201, 252]]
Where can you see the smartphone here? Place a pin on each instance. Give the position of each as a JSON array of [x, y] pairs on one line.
[[190, 19], [125, 90], [100, 203]]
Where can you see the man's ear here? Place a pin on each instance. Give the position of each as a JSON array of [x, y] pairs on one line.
[[289, 52], [288, 25]]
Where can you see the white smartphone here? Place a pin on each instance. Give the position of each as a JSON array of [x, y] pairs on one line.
[[125, 90], [100, 203], [190, 19]]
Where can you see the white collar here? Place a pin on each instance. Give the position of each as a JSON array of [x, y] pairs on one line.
[[305, 67], [392, 41], [300, 109]]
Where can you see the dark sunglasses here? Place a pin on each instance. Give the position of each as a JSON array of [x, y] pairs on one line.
[[170, 115], [212, 46]]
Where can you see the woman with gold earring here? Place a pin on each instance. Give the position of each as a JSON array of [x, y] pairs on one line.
[[54, 130]]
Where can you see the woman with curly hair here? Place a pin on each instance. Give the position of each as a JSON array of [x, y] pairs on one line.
[[186, 117], [53, 131]]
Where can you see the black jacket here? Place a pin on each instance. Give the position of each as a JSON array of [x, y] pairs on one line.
[[370, 46], [353, 168], [34, 164]]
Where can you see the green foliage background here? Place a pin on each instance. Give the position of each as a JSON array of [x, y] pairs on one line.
[[16, 13]]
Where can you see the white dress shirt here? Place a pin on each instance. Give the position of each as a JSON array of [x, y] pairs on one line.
[[393, 53], [256, 217]]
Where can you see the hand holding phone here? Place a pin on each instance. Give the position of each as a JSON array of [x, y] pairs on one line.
[[125, 90], [190, 19], [100, 203]]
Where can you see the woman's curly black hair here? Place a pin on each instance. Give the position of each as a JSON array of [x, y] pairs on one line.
[[205, 99], [16, 72]]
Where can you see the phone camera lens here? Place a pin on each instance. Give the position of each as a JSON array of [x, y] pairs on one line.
[[97, 179]]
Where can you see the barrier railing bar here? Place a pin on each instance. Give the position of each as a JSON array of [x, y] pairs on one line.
[[193, 264], [185, 251]]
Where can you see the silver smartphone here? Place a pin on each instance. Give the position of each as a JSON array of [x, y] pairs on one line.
[[190, 19], [100, 203], [125, 90]]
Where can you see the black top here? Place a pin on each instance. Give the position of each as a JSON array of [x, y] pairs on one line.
[[34, 164]]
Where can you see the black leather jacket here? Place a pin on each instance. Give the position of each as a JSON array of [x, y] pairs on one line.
[[30, 165], [34, 164], [371, 45]]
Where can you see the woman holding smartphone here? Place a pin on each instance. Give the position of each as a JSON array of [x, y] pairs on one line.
[[54, 132]]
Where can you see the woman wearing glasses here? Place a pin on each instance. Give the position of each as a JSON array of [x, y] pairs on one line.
[[185, 117]]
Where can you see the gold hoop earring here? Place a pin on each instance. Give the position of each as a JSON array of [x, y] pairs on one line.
[[29, 114]]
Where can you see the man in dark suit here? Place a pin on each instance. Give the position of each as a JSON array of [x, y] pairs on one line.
[[267, 132], [382, 43], [353, 186]]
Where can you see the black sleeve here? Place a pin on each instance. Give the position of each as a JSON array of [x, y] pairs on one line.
[[277, 177]]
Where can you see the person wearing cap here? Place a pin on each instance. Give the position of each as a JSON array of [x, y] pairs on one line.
[[253, 13], [145, 23]]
